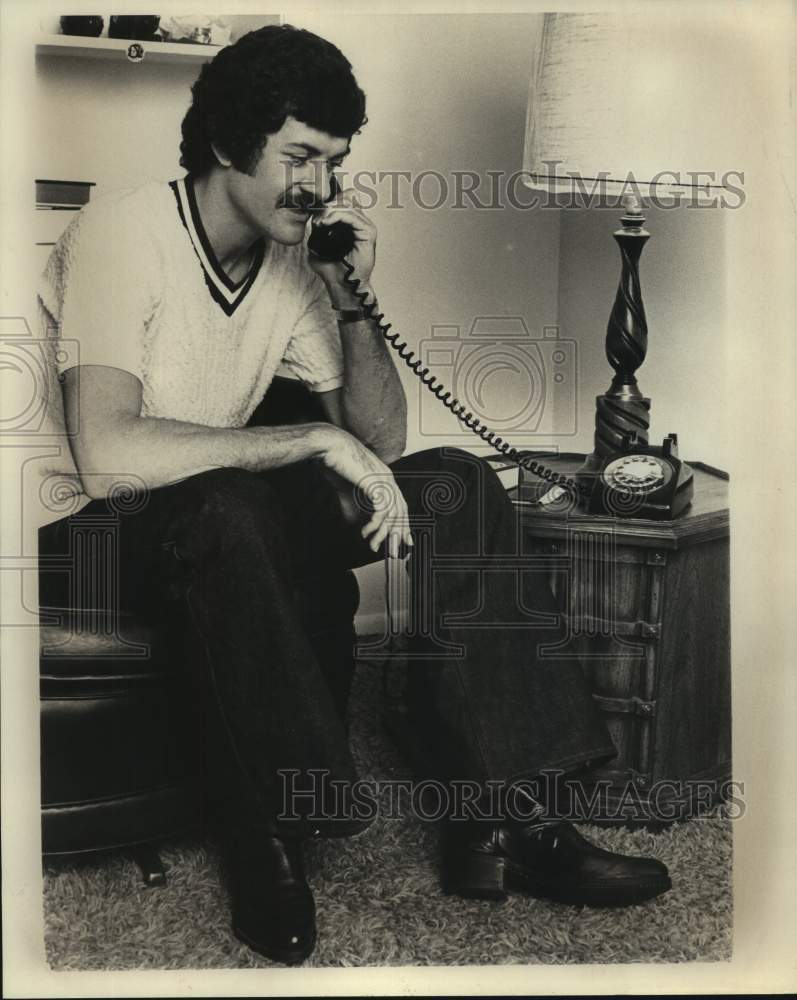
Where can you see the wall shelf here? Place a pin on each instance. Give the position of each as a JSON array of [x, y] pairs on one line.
[[116, 48]]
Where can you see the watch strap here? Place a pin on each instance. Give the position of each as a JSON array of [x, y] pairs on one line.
[[351, 315]]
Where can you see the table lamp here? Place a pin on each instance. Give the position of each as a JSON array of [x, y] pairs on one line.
[[629, 107]]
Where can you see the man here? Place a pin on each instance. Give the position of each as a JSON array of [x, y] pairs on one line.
[[186, 299]]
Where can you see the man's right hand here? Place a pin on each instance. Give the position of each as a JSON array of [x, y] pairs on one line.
[[348, 458]]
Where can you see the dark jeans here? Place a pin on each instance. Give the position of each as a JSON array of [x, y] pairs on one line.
[[218, 556]]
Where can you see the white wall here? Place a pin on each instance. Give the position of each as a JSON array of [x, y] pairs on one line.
[[109, 120]]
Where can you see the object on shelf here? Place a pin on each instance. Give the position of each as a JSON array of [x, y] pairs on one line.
[[198, 30], [137, 27], [90, 26], [62, 194]]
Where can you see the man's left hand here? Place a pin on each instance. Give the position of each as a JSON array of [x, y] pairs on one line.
[[346, 208]]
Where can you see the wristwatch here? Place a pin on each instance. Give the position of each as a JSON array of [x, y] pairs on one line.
[[352, 315]]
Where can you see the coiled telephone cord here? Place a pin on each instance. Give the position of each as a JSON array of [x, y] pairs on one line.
[[460, 411]]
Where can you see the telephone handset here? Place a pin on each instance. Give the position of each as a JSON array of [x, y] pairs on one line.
[[643, 482], [331, 243]]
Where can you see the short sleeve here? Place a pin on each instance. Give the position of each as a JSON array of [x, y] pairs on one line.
[[100, 288], [314, 352]]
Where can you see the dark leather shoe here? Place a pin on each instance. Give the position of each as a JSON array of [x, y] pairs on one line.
[[547, 860], [273, 911]]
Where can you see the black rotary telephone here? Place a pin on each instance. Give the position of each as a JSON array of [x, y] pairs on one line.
[[643, 481]]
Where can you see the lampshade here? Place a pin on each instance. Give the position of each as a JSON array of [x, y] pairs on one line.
[[650, 95]]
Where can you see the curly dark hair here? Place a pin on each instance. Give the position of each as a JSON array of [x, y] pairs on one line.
[[248, 90]]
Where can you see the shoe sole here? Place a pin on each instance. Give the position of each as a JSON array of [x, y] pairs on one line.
[[295, 957], [598, 896], [489, 877]]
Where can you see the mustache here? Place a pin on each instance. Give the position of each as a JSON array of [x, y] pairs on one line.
[[304, 204]]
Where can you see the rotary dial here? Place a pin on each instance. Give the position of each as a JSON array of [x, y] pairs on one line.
[[638, 473]]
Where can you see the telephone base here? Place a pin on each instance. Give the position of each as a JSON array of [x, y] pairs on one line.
[[644, 481]]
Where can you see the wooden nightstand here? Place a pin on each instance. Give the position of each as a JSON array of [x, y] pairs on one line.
[[647, 607]]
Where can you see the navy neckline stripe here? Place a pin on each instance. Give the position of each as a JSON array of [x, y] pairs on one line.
[[225, 292]]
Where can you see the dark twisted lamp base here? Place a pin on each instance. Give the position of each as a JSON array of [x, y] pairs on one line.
[[622, 414]]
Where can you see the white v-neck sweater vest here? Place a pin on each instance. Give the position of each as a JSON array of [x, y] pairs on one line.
[[133, 283]]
